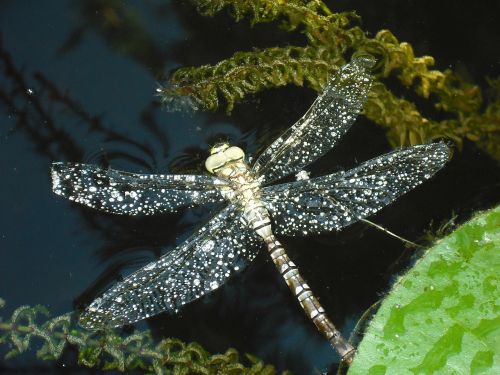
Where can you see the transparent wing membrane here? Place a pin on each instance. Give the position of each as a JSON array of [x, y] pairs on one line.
[[130, 193], [324, 123], [331, 202], [198, 266], [229, 241]]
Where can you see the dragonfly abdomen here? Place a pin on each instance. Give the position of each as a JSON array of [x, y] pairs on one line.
[[307, 300]]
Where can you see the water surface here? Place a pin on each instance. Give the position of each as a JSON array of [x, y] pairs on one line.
[[77, 83]]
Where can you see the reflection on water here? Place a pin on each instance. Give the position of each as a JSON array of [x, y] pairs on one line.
[[78, 85]]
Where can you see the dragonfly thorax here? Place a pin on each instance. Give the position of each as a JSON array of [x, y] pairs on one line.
[[229, 163]]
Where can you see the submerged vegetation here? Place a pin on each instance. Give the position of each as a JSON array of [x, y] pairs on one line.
[[331, 39], [111, 351]]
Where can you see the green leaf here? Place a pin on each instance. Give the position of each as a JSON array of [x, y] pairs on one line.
[[442, 317]]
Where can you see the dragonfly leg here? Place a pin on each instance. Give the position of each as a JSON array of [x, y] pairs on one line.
[[387, 231], [307, 300]]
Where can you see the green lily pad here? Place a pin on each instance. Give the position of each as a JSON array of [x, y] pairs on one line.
[[443, 316]]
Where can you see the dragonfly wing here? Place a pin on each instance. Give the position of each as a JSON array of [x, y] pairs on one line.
[[201, 264], [130, 193], [334, 201], [329, 117]]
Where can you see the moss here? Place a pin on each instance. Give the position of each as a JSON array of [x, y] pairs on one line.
[[332, 38], [107, 350]]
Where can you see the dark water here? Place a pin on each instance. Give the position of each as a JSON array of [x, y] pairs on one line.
[[77, 83]]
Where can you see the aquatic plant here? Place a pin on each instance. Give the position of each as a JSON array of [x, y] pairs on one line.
[[121, 29], [456, 279], [490, 113], [108, 350], [443, 314], [331, 39]]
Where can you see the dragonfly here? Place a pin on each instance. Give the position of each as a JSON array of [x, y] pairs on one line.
[[257, 207]]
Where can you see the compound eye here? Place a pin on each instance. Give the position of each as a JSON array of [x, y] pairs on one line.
[[234, 153], [215, 161]]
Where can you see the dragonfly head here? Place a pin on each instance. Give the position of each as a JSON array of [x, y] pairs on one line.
[[222, 154]]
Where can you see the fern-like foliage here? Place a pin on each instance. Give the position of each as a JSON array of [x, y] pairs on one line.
[[107, 350], [248, 73], [332, 37]]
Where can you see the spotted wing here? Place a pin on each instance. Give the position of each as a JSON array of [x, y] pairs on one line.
[[329, 117], [201, 264], [331, 202], [130, 193]]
